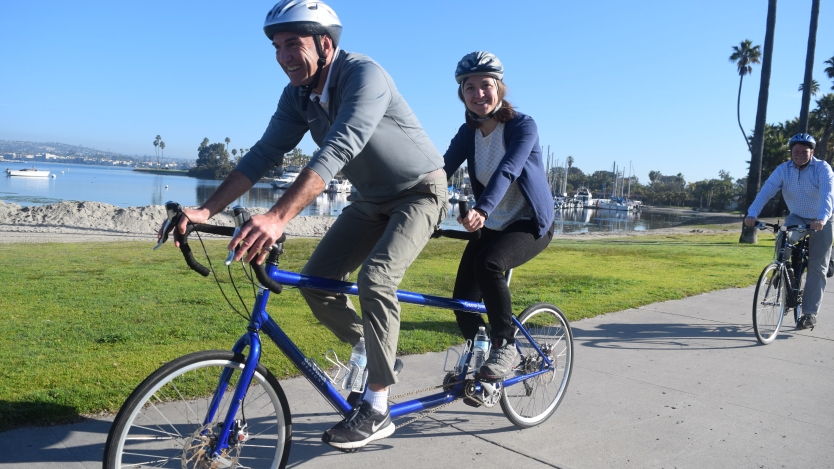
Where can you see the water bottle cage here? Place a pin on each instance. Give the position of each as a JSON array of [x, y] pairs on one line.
[[460, 358], [339, 379]]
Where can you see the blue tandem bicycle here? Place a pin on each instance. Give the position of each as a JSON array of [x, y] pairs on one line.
[[224, 409]]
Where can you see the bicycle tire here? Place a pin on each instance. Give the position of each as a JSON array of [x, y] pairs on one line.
[[165, 413], [769, 303], [531, 402]]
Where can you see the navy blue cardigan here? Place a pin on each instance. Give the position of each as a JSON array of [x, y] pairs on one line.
[[522, 161]]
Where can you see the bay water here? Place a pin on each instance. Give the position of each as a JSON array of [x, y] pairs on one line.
[[123, 187]]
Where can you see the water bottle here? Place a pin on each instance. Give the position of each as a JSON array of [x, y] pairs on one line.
[[480, 349], [358, 360]]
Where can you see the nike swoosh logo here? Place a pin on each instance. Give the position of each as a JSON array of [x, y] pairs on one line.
[[375, 427], [311, 120]]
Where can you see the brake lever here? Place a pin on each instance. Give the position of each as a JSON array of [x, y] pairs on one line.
[[173, 209], [241, 216]]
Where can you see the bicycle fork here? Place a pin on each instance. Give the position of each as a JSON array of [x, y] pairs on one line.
[[231, 430]]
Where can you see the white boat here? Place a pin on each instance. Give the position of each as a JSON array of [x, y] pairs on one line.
[[339, 185], [284, 181], [28, 172], [584, 198]]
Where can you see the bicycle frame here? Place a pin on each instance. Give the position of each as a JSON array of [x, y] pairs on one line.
[[261, 321], [801, 249]]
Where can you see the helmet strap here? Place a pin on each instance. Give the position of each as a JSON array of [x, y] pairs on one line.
[[307, 90], [480, 119]]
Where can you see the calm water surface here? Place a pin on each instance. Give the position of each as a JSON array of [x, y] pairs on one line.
[[127, 188]]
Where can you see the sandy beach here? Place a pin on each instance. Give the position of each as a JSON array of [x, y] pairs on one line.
[[73, 222]]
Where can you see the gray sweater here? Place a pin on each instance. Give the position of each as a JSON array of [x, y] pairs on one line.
[[369, 132]]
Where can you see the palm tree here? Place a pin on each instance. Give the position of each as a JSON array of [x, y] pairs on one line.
[[156, 144], [829, 70], [809, 67], [815, 87], [162, 149], [234, 152], [825, 109], [227, 143], [744, 55], [749, 235]]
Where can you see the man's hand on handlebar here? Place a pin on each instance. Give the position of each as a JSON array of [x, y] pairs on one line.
[[472, 221], [816, 225], [750, 221], [256, 237]]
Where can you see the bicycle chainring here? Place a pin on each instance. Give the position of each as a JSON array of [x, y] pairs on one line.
[[488, 396], [196, 454]]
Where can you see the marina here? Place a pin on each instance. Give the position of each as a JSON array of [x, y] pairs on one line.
[[123, 187]]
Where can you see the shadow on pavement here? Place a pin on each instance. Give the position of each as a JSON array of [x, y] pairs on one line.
[[656, 336]]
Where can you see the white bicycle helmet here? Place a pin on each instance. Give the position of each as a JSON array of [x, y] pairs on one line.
[[305, 17]]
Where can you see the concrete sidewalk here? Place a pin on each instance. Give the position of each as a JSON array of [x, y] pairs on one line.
[[676, 384]]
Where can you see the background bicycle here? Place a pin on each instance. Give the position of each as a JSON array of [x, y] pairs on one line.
[[781, 283]]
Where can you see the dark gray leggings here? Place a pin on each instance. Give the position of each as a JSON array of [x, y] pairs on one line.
[[481, 275]]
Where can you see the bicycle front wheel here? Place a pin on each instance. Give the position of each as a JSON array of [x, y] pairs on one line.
[[164, 422], [532, 401], [769, 303]]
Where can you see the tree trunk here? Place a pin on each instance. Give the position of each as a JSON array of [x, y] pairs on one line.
[[749, 235], [738, 113], [809, 67]]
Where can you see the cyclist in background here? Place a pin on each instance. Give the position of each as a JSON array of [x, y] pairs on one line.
[[364, 128], [513, 206], [806, 185]]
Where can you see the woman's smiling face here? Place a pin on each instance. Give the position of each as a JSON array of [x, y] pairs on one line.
[[480, 94]]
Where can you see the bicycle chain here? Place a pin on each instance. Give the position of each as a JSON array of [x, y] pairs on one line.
[[430, 411]]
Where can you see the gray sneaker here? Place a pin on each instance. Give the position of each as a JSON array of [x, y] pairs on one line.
[[500, 361], [807, 321]]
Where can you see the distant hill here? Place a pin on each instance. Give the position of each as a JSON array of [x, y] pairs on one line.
[[62, 149]]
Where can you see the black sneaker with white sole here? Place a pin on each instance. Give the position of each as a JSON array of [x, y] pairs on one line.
[[362, 426]]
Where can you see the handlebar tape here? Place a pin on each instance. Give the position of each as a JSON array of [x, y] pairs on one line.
[[260, 273]]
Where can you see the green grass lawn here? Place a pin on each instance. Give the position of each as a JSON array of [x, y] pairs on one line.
[[83, 324]]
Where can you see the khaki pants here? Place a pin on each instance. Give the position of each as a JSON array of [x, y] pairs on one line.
[[382, 239]]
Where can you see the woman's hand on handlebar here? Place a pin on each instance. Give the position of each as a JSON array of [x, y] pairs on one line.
[[472, 221], [256, 237]]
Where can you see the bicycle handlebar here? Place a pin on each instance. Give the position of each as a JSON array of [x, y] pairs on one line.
[[463, 206], [776, 227], [175, 216]]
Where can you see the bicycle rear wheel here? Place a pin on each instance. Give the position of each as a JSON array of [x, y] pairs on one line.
[[769, 303], [162, 423], [532, 401]]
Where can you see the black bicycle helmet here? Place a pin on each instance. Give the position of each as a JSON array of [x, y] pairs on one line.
[[807, 139]]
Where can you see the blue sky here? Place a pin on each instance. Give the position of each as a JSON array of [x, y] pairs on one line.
[[646, 82]]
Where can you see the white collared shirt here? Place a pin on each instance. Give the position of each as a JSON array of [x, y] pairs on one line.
[[324, 97]]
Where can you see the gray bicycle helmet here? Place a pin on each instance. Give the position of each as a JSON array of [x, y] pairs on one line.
[[479, 63], [304, 17]]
